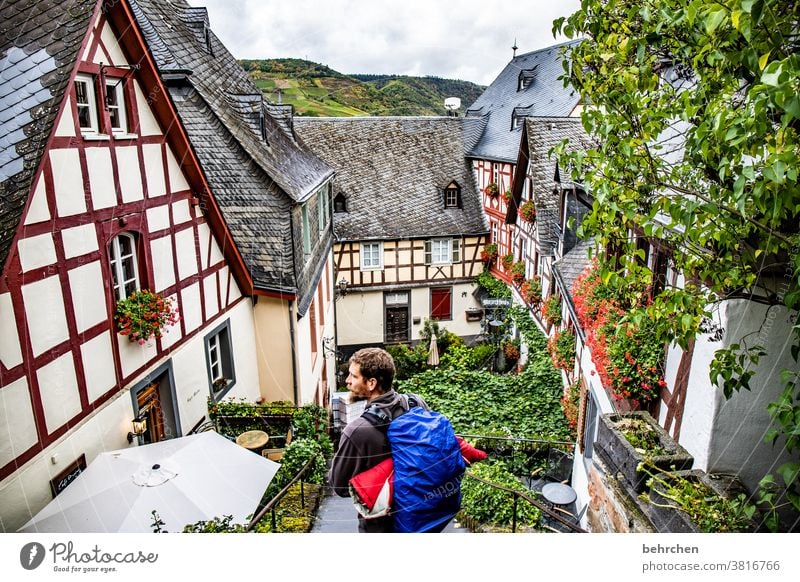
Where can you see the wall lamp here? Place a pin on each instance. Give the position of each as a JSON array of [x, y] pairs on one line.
[[341, 286], [139, 426], [328, 347]]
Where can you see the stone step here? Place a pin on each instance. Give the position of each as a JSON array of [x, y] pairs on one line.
[[337, 515]]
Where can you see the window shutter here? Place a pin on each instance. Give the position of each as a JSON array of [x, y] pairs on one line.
[[456, 250], [428, 258]]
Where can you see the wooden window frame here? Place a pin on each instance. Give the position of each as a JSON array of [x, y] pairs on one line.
[[220, 339], [449, 292], [116, 264]]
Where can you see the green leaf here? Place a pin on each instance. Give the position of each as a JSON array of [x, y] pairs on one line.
[[762, 62], [772, 73]]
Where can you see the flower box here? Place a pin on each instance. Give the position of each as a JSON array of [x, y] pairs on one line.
[[666, 515], [622, 457]]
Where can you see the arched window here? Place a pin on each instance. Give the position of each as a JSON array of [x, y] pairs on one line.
[[124, 265]]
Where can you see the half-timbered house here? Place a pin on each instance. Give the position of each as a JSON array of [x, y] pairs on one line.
[[529, 85], [273, 194], [408, 225], [544, 208], [99, 199], [118, 175]]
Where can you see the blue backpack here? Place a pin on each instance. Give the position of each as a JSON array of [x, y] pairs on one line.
[[428, 468]]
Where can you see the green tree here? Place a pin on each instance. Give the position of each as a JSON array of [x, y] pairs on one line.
[[695, 108]]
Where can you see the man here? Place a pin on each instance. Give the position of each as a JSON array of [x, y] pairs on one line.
[[363, 445]]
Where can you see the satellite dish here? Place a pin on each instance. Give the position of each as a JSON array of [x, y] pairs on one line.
[[452, 103]]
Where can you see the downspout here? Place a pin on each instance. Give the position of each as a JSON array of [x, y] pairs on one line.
[[294, 355], [291, 316]]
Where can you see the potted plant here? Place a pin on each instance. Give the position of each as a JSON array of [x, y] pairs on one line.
[[627, 440], [507, 261], [551, 310], [694, 501], [491, 189], [531, 290], [562, 349], [507, 195], [144, 315], [518, 273], [528, 211], [489, 253]]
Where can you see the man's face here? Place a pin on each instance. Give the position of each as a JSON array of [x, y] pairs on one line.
[[357, 384]]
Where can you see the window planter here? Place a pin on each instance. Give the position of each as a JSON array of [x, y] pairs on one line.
[[622, 457], [717, 512]]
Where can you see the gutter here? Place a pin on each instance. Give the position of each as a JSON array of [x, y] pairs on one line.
[[294, 355]]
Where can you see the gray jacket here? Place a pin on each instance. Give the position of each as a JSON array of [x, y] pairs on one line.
[[361, 447]]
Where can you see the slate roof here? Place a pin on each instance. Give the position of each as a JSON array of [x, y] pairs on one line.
[[39, 43], [544, 94], [393, 171], [543, 134], [253, 179]]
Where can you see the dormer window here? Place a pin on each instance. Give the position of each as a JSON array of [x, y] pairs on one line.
[[452, 195], [526, 78], [340, 203]]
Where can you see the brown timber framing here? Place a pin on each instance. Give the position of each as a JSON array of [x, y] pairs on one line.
[[404, 263]]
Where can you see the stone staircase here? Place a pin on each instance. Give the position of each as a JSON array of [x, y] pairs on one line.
[[337, 515]]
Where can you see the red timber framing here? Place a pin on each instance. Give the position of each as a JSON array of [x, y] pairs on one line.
[[404, 272], [108, 222], [495, 207]]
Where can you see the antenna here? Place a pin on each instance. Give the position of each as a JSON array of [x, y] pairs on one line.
[[514, 48], [452, 104]]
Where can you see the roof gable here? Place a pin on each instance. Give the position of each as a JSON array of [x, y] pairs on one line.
[[529, 85], [38, 51], [393, 171]]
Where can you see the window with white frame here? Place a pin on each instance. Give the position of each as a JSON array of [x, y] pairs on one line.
[[442, 251], [86, 103], [219, 360], [90, 105], [495, 233], [496, 173], [115, 103], [124, 265], [322, 208], [371, 256], [306, 229]]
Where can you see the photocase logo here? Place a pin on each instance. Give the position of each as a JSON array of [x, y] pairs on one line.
[[31, 555]]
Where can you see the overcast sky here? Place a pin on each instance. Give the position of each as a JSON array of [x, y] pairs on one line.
[[459, 39]]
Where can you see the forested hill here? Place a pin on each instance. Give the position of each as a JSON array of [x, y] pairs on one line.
[[317, 90]]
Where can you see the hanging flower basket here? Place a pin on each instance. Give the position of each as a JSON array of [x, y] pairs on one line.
[[507, 196], [507, 261], [528, 211], [144, 315], [491, 189]]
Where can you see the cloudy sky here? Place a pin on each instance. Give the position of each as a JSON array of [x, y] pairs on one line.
[[458, 39]]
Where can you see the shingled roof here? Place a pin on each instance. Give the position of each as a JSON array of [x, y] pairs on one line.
[[393, 171], [252, 163], [39, 43], [528, 85], [540, 135]]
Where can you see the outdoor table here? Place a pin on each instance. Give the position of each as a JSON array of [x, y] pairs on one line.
[[253, 440], [559, 494]]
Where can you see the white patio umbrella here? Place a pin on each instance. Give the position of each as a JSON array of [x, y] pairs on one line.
[[185, 480], [433, 352]]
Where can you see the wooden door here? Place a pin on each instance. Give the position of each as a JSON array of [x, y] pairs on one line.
[[397, 324], [148, 399]]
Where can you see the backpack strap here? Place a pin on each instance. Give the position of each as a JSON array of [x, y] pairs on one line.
[[379, 417]]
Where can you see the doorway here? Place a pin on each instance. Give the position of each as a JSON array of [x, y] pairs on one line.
[[396, 317], [155, 397]]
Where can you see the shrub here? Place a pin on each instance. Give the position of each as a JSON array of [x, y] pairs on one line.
[[491, 506], [408, 361], [493, 287], [562, 349]]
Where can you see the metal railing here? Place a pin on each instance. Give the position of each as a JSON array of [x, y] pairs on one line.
[[273, 503], [551, 513]]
